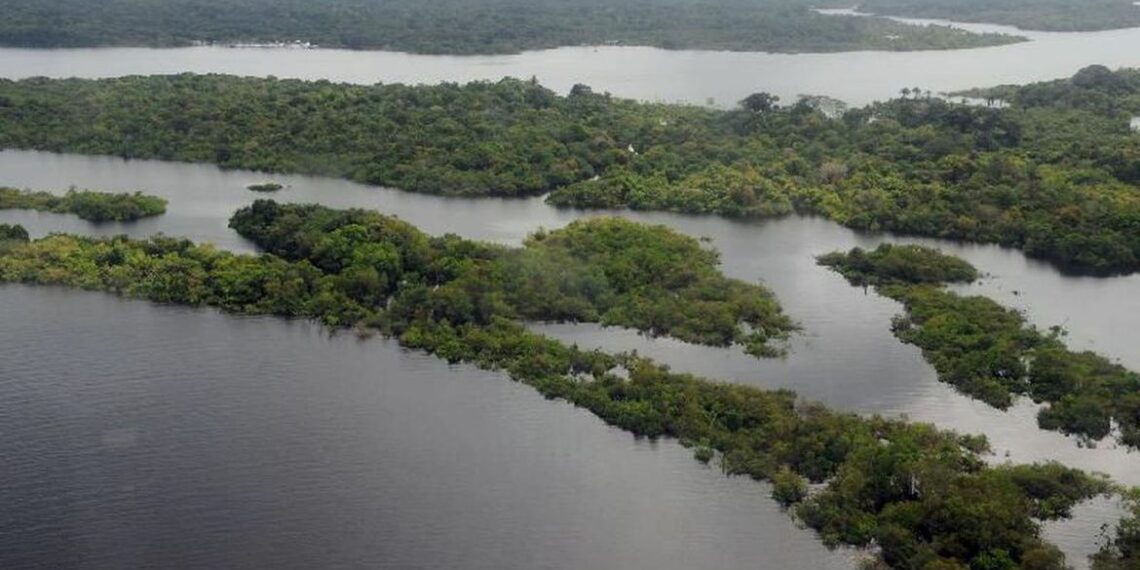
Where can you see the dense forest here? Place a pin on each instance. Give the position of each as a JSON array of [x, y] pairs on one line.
[[1054, 15], [989, 352], [88, 205], [601, 270], [926, 498], [1053, 174], [469, 26]]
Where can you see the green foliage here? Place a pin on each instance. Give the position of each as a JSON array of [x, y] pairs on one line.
[[88, 205], [600, 270], [788, 488], [1054, 174], [1055, 15], [1122, 550], [469, 26], [899, 263], [989, 352], [13, 232], [265, 187]]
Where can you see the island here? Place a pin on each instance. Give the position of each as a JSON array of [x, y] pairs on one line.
[[925, 498], [88, 205], [264, 187], [989, 352]]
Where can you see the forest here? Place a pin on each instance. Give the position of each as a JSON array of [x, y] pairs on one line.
[[1054, 173], [990, 352], [925, 497], [605, 270], [87, 204], [1052, 15], [469, 26]]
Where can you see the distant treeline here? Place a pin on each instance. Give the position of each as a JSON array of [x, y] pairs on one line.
[[88, 205], [1055, 15], [469, 26], [1053, 174], [924, 498]]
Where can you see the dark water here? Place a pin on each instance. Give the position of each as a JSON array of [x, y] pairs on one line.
[[142, 436], [701, 77], [846, 356]]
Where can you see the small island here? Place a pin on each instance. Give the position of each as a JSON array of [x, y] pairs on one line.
[[264, 187], [88, 205], [991, 352]]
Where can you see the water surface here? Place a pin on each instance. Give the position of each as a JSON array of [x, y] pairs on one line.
[[846, 356], [146, 436], [700, 77]]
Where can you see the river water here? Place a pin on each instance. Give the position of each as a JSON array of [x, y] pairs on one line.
[[700, 77], [148, 436], [846, 356]]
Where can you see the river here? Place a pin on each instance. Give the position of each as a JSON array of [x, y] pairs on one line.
[[846, 356], [700, 77], [150, 436], [189, 439]]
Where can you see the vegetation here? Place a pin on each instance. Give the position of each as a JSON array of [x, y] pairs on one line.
[[1122, 550], [88, 205], [899, 263], [925, 497], [602, 270], [468, 26], [12, 234], [989, 352], [1054, 174], [1054, 15], [264, 187]]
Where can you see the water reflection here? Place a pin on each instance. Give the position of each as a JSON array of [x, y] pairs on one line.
[[191, 439]]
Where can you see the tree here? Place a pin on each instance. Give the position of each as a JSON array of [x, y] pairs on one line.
[[760, 102]]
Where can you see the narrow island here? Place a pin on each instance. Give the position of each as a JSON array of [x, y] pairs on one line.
[[914, 165], [988, 351], [918, 496], [264, 187], [88, 205]]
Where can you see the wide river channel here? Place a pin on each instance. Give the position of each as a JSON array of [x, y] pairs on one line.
[[702, 77], [139, 435]]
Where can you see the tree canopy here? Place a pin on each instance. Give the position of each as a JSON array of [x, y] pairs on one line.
[[469, 26], [88, 205], [990, 352], [1053, 174], [1054, 15]]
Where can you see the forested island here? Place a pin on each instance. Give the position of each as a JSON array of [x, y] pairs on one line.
[[87, 204], [1052, 15], [264, 187], [925, 498], [988, 351], [469, 26], [1054, 173]]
